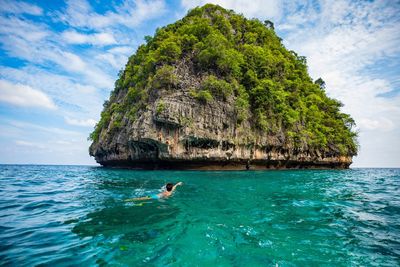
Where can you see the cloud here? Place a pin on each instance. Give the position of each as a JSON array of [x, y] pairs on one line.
[[81, 122], [74, 98], [22, 28], [129, 13], [121, 50], [35, 43], [19, 7], [263, 9], [382, 124], [71, 62], [132, 13], [116, 57], [24, 96], [101, 39], [22, 39], [74, 63]]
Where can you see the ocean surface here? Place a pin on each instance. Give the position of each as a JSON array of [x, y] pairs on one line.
[[76, 216]]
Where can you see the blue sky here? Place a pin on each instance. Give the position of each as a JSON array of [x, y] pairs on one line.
[[59, 61]]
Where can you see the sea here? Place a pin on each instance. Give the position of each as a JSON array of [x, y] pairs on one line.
[[78, 216]]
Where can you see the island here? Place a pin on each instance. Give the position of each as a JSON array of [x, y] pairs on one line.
[[218, 91]]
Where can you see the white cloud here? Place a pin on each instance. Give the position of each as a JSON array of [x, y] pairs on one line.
[[263, 9], [36, 44], [381, 124], [89, 71], [19, 7], [81, 122], [24, 96], [121, 50], [129, 13], [22, 29], [71, 62], [22, 39], [116, 57], [101, 39], [74, 98], [117, 61]]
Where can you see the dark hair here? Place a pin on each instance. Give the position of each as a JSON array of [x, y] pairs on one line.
[[169, 186]]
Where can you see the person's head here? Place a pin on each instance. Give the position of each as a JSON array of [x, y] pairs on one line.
[[169, 186]]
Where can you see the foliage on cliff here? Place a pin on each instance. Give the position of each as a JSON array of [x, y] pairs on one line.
[[241, 59]]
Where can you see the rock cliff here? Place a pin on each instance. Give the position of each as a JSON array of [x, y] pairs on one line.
[[218, 91]]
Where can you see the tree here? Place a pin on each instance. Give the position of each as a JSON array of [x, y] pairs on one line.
[[148, 38], [320, 83], [269, 24], [165, 78]]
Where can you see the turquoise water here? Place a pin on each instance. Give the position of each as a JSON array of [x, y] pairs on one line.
[[74, 215]]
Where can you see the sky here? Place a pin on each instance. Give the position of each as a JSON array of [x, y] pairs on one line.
[[59, 61]]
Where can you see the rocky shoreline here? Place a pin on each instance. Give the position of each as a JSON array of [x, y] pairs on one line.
[[223, 165]]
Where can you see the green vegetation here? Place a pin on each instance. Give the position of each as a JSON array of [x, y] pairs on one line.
[[240, 61], [242, 104], [218, 87], [202, 95], [165, 78], [160, 107]]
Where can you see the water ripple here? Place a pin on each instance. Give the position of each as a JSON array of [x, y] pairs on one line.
[[72, 215]]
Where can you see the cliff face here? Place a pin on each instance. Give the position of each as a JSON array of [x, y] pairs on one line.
[[180, 118]]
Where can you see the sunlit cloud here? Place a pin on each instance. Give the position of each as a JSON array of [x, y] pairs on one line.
[[73, 37], [24, 96]]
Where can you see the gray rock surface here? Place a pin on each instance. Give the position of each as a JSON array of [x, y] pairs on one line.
[[190, 134]]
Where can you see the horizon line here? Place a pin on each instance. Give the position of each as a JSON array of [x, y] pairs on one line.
[[98, 165]]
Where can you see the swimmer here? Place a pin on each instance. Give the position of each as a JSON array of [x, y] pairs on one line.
[[169, 189]]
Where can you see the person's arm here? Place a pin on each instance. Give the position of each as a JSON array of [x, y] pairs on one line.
[[173, 188]]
